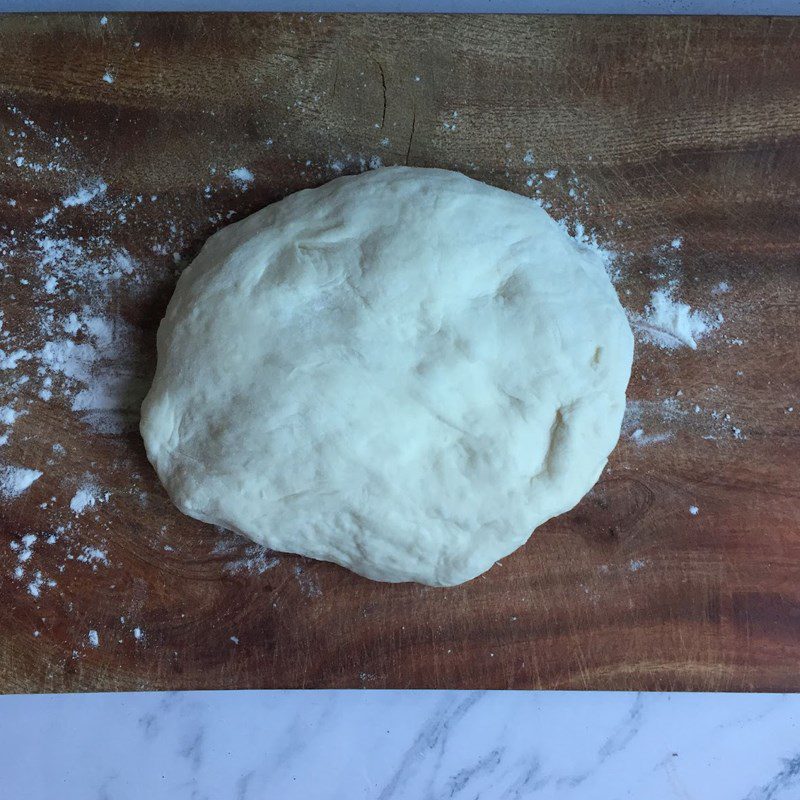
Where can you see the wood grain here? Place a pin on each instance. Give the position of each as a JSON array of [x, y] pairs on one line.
[[658, 128]]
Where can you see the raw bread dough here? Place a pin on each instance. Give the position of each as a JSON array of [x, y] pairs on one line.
[[403, 372]]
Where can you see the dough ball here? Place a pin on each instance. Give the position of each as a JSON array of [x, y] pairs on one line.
[[404, 372]]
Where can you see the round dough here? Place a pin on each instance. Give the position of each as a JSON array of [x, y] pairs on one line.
[[403, 372]]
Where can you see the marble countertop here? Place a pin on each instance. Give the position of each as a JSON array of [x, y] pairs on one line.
[[391, 744]]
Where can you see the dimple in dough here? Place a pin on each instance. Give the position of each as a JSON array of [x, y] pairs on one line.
[[404, 372]]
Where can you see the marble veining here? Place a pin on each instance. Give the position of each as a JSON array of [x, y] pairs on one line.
[[421, 745]]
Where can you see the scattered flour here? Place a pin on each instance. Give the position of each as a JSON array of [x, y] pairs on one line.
[[649, 422], [83, 355], [24, 553], [93, 556], [256, 561], [24, 549], [351, 162], [35, 585], [79, 356], [308, 586], [670, 324], [451, 125], [84, 195]]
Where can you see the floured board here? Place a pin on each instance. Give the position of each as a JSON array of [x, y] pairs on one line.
[[672, 143]]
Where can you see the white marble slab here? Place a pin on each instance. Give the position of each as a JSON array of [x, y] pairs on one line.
[[418, 745]]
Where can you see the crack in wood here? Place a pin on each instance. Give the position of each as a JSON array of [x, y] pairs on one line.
[[383, 85], [411, 138]]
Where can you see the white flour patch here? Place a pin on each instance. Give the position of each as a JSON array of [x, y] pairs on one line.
[[24, 548], [636, 564], [90, 268], [241, 177], [84, 195], [694, 510], [16, 480], [108, 77], [45, 393], [93, 556], [85, 498], [94, 638], [642, 439], [97, 364], [34, 581], [35, 585], [11, 360], [38, 582], [670, 324], [8, 416]]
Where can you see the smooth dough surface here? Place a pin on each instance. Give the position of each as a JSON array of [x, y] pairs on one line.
[[404, 372]]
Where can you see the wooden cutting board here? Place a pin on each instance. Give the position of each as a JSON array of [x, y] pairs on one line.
[[674, 142]]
